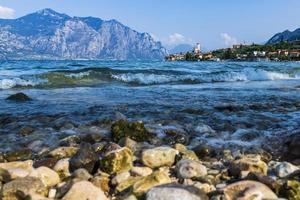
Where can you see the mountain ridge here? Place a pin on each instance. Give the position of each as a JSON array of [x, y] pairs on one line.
[[47, 34], [287, 35]]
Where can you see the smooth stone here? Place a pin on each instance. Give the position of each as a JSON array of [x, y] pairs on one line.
[[52, 193], [19, 97], [47, 176], [129, 143], [190, 169], [128, 183], [12, 170], [23, 186], [81, 174], [267, 180], [84, 190], [141, 171], [62, 168], [159, 156], [175, 192], [148, 182], [117, 161], [85, 158], [120, 178], [45, 162], [245, 190], [203, 151], [63, 152], [284, 169], [248, 164]]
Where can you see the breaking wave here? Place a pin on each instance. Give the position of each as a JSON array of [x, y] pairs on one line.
[[96, 76]]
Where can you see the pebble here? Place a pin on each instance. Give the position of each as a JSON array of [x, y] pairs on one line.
[[190, 169], [159, 156], [284, 169]]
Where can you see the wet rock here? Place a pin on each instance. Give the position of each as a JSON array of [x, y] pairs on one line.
[[204, 129], [133, 130], [187, 169], [186, 154], [294, 146], [84, 190], [176, 136], [245, 190], [268, 181], [27, 130], [291, 190], [175, 192], [246, 165], [109, 147], [18, 155], [81, 174], [19, 97], [62, 168], [117, 161], [203, 151], [85, 158], [63, 152], [141, 171], [92, 138], [284, 169], [148, 182], [22, 187], [159, 156], [102, 182], [46, 162], [70, 141], [120, 178], [47, 176]]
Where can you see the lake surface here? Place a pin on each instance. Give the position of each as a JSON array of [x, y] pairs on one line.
[[243, 102]]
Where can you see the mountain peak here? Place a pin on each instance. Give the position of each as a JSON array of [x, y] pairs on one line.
[[51, 13]]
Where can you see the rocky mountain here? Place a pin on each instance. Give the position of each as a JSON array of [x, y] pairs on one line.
[[47, 34], [287, 35]]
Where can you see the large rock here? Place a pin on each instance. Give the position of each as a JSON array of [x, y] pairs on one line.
[[47, 176], [190, 169], [84, 190], [159, 156], [284, 169], [175, 192], [133, 130], [84, 158], [12, 170], [245, 190], [19, 97], [21, 187], [117, 161], [148, 182], [248, 164]]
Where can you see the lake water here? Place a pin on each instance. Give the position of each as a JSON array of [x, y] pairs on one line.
[[243, 102]]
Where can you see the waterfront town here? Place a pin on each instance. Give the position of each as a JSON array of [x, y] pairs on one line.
[[284, 51]]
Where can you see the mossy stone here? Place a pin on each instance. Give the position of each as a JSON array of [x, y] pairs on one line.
[[117, 161], [291, 190], [19, 155], [133, 130], [19, 97]]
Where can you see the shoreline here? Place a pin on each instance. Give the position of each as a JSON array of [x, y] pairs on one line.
[[129, 162]]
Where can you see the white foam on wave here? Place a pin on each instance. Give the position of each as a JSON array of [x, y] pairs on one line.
[[248, 74], [78, 75], [14, 82]]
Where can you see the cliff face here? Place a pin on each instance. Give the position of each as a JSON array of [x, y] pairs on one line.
[[51, 35], [287, 35]]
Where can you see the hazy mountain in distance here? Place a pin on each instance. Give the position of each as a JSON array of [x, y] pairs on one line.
[[47, 34], [287, 35]]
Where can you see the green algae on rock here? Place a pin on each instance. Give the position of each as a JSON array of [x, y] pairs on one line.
[[291, 190], [19, 97], [117, 161], [134, 130]]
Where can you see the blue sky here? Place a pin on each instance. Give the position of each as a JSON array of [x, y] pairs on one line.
[[213, 23]]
